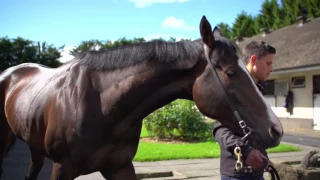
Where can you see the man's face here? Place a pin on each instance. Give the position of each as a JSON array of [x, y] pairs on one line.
[[263, 67]]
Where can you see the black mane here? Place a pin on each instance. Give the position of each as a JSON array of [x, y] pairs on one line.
[[129, 55], [158, 50]]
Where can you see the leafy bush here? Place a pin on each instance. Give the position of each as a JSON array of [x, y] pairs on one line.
[[180, 118]]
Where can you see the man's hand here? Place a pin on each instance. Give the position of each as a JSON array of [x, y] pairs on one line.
[[255, 159], [269, 163]]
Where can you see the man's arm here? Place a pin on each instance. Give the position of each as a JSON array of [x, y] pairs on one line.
[[227, 140]]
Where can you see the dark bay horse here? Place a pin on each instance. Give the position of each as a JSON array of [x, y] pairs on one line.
[[86, 115]]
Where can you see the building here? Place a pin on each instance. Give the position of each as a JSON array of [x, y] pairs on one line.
[[296, 68]]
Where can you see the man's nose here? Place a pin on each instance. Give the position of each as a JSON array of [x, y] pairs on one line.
[[271, 69]]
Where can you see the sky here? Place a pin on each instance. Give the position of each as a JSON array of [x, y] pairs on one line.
[[69, 22]]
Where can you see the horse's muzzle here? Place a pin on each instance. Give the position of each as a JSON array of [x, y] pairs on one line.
[[274, 133]]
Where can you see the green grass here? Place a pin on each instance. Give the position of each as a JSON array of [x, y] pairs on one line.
[[144, 132], [283, 148], [149, 151]]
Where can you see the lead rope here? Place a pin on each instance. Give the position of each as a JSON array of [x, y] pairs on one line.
[[274, 173], [246, 130]]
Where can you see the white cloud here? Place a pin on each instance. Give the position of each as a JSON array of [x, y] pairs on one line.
[[174, 23], [145, 3], [65, 54]]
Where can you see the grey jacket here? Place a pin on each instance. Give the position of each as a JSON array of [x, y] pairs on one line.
[[227, 139]]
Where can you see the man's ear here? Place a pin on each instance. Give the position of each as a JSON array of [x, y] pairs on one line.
[[253, 60]]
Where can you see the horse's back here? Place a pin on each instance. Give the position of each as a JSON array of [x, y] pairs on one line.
[[29, 80], [22, 72], [13, 76], [28, 89]]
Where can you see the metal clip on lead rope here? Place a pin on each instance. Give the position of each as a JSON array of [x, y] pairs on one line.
[[239, 164]]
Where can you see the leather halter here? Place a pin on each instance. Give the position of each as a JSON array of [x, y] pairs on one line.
[[242, 123], [246, 130]]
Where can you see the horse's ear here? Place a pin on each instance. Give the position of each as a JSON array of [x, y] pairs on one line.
[[217, 32], [206, 33]]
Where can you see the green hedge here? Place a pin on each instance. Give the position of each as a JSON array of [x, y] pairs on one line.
[[180, 118]]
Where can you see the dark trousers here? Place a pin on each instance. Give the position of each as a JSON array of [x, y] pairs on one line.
[[249, 177]]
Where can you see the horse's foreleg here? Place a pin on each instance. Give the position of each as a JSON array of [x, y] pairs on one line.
[[62, 171], [123, 172], [36, 163]]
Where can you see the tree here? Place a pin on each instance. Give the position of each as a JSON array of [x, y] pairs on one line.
[[183, 39], [278, 15], [267, 17], [225, 29], [243, 26], [259, 23], [270, 16], [48, 54], [19, 50], [89, 45], [98, 45], [313, 8], [293, 9], [172, 39], [122, 41]]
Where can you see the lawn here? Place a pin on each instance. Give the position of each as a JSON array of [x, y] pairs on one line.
[[144, 132], [149, 151]]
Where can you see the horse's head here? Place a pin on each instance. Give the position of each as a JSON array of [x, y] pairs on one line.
[[235, 91]]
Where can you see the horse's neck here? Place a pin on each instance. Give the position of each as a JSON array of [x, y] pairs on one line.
[[136, 91]]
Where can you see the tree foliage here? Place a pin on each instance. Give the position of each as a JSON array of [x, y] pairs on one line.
[[19, 50], [270, 15], [98, 44], [291, 10], [274, 16], [243, 26], [313, 8], [225, 29]]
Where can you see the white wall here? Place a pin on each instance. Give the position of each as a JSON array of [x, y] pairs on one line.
[[303, 97]]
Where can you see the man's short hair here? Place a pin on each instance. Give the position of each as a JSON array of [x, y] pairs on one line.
[[258, 48]]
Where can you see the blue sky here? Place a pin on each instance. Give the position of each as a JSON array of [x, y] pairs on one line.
[[68, 22]]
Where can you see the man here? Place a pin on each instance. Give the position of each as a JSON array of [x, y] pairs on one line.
[[258, 57]]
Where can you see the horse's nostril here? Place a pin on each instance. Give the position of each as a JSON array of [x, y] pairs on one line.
[[274, 133]]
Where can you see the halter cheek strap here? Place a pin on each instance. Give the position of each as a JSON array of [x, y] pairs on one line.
[[242, 123]]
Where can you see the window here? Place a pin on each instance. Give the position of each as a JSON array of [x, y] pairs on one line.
[[316, 84], [269, 88], [281, 88], [298, 82]]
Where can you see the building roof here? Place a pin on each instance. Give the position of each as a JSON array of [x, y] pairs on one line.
[[296, 46]]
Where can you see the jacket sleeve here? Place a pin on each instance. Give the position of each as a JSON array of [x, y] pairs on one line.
[[228, 141]]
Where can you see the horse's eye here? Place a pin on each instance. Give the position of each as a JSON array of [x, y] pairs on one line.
[[231, 73]]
